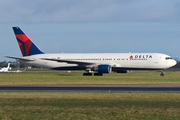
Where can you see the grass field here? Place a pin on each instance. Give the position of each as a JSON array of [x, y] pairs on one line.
[[50, 77], [89, 106]]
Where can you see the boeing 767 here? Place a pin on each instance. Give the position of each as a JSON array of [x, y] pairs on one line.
[[97, 63]]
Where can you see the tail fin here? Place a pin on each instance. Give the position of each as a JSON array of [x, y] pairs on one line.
[[26, 46], [8, 65]]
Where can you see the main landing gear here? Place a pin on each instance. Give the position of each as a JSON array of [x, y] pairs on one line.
[[87, 74], [90, 74], [98, 74], [162, 73]]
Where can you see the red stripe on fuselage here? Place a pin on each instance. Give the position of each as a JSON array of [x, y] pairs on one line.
[[27, 42]]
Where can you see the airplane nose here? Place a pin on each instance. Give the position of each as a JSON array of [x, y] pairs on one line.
[[174, 62]]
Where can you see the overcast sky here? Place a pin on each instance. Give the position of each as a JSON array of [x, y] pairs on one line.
[[86, 26]]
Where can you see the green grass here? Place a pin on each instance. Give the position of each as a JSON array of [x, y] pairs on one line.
[[50, 77], [89, 105]]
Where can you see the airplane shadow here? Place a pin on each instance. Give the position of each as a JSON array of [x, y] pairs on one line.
[[66, 75]]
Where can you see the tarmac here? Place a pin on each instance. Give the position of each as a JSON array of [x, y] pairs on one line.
[[95, 88]]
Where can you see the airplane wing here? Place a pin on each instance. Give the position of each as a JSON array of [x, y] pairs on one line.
[[72, 62], [24, 59]]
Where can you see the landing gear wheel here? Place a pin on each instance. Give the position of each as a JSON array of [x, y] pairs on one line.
[[87, 74], [162, 74], [98, 74]]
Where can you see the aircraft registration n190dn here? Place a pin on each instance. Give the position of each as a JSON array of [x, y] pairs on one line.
[[97, 63]]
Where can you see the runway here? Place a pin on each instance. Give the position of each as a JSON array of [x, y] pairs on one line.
[[96, 88]]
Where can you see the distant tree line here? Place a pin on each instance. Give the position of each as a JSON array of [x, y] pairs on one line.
[[15, 64]]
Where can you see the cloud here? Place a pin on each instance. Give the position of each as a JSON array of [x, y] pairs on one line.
[[89, 11]]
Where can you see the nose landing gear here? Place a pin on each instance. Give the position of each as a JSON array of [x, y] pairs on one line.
[[162, 73]]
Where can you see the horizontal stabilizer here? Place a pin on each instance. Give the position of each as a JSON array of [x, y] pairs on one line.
[[24, 59]]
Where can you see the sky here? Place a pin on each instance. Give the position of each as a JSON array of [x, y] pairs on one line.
[[92, 26]]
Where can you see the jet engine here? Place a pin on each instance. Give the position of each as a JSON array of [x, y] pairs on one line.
[[103, 69]]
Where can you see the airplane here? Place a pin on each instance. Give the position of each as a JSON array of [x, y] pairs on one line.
[[5, 69], [97, 63], [16, 71]]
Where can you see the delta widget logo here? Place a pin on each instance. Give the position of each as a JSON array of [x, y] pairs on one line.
[[131, 57]]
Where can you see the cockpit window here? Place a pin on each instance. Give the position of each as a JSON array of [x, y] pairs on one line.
[[167, 58]]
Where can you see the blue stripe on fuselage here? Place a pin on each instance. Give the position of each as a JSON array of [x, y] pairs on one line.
[[113, 68], [70, 68], [126, 68]]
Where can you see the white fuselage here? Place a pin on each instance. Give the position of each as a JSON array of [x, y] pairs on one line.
[[5, 69], [117, 60]]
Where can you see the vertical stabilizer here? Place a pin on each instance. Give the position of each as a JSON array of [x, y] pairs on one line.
[[26, 46], [8, 65]]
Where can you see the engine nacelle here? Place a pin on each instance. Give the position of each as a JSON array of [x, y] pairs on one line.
[[103, 69]]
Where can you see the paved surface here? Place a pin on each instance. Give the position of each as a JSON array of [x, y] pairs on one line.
[[96, 88]]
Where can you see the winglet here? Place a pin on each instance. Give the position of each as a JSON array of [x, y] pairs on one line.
[[26, 46]]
